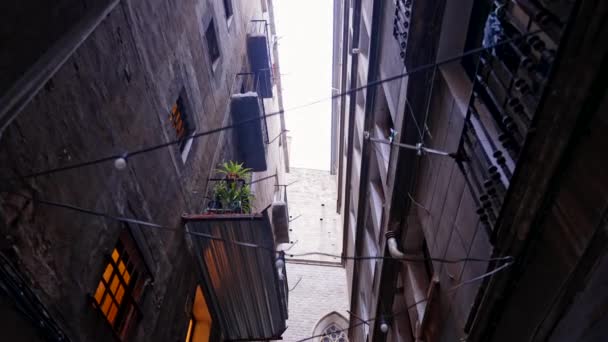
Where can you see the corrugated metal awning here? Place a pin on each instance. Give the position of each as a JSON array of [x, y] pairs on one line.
[[241, 284]]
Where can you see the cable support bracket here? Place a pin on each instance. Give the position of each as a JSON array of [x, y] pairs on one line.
[[419, 147]]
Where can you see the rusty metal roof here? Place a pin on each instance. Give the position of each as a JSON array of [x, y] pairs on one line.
[[241, 284]]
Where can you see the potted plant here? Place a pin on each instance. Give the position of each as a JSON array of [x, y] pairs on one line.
[[234, 171], [232, 194]]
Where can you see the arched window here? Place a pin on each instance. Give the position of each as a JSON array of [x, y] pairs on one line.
[[334, 334], [332, 328]]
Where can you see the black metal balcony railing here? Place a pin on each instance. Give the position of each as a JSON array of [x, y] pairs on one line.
[[507, 87], [401, 24]]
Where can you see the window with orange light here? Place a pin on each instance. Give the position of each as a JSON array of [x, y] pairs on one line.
[[180, 122], [200, 326], [121, 286]]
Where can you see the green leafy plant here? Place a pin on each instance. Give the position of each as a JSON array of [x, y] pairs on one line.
[[232, 194], [233, 170]]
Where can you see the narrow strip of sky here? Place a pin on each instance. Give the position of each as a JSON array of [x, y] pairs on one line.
[[304, 32]]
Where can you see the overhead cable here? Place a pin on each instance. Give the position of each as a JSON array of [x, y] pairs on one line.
[[127, 154], [404, 311], [147, 224]]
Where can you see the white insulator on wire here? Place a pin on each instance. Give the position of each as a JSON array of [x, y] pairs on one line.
[[120, 163]]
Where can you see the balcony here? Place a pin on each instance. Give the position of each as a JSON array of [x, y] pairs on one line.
[[401, 25], [508, 84], [258, 51], [245, 106], [232, 195], [245, 283]]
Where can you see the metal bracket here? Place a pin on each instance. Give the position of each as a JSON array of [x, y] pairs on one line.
[[419, 147]]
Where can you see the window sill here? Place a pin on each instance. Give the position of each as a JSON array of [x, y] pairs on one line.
[[215, 64], [229, 22], [186, 150]]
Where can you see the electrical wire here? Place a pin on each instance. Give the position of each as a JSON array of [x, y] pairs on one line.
[[125, 155], [507, 259], [409, 259], [296, 285], [137, 221], [357, 317], [278, 136], [133, 153], [292, 246], [404, 311], [295, 218], [262, 179]]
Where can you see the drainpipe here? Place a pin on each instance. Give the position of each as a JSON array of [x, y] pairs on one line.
[[343, 86], [413, 274], [24, 90], [391, 242]]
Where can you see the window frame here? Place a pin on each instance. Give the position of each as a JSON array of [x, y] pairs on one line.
[[228, 10], [186, 120], [127, 255], [213, 44], [327, 334], [331, 319]]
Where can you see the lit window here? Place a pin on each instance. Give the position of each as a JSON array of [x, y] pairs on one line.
[[121, 286], [228, 9], [200, 325], [189, 334], [212, 43], [181, 123]]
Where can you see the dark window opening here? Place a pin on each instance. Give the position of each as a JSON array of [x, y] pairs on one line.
[[212, 42], [228, 10], [121, 286], [428, 264], [181, 123]]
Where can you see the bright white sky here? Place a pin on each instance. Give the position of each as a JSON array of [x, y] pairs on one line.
[[304, 28]]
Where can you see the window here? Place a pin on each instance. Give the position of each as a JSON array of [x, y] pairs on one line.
[[333, 327], [228, 9], [334, 334], [428, 264], [183, 125], [200, 327], [121, 286], [212, 43]]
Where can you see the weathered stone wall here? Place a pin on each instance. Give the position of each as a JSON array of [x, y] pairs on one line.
[[114, 95], [316, 225], [316, 228], [28, 28], [321, 290]]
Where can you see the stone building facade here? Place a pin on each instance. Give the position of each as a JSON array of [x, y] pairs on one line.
[[318, 294], [149, 73], [521, 179]]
